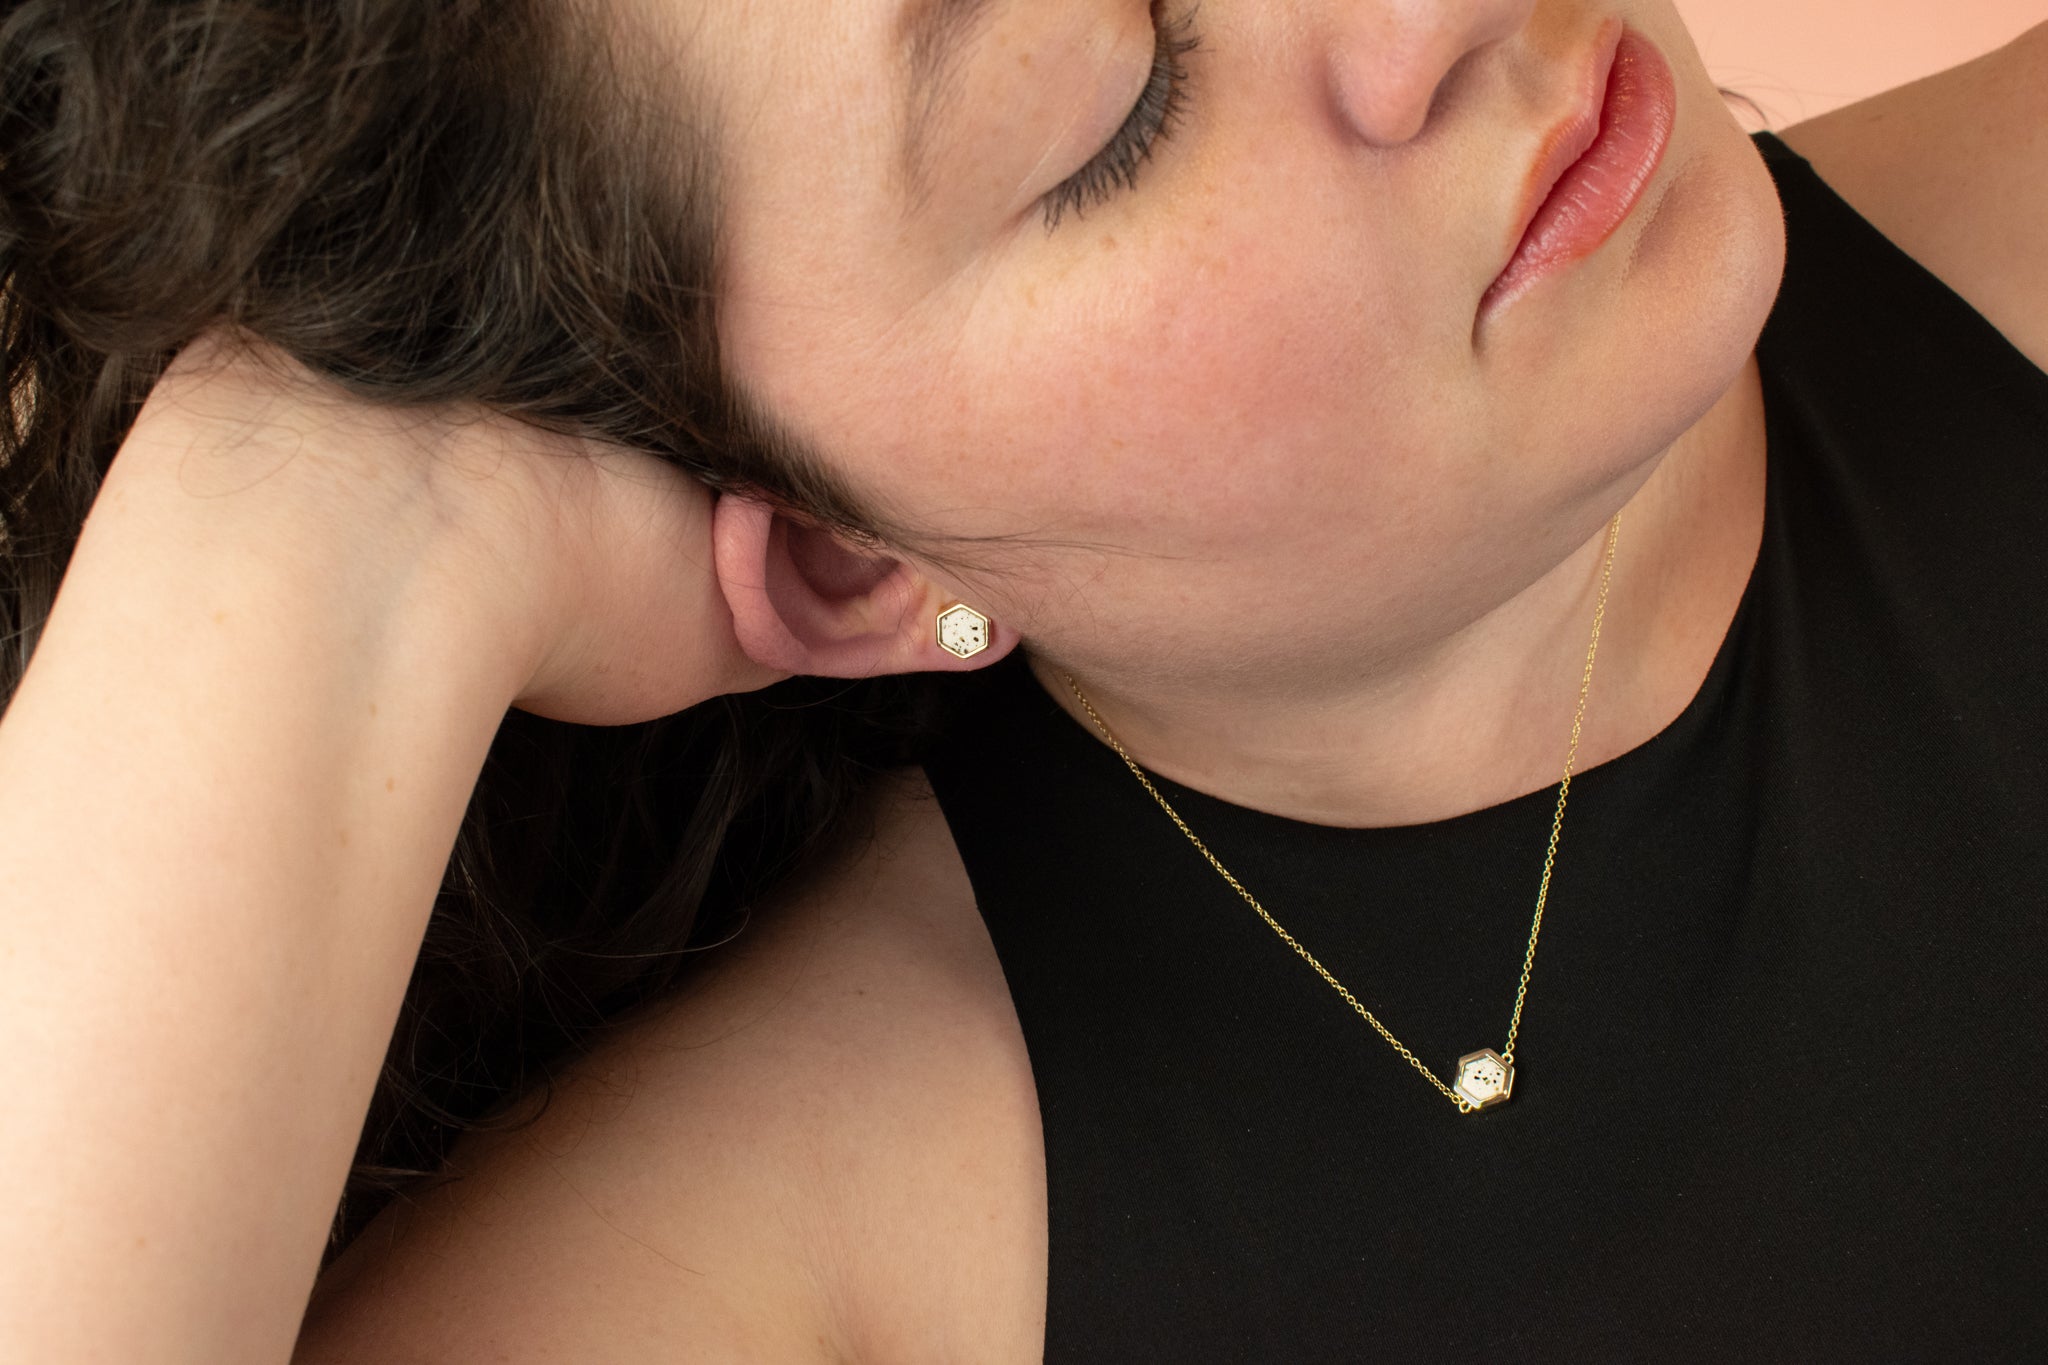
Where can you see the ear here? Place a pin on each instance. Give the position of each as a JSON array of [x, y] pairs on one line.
[[805, 601]]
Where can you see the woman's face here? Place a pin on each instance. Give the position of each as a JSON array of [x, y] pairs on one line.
[[1238, 413]]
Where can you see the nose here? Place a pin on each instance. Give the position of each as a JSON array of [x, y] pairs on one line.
[[1389, 59]]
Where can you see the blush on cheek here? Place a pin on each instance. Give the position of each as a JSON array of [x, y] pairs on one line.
[[1217, 379]]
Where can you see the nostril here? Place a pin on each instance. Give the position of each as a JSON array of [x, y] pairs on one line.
[[1385, 89], [1395, 69]]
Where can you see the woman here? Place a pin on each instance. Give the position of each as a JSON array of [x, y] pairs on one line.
[[1318, 392]]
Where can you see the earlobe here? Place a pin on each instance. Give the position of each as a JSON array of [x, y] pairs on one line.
[[805, 601]]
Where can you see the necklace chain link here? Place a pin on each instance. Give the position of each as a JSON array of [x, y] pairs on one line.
[[1564, 788]]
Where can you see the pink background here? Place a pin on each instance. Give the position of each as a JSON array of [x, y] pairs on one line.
[[1799, 58]]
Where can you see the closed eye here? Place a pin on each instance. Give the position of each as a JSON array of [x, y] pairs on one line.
[[1159, 108]]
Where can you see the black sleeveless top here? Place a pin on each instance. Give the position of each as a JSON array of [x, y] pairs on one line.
[[1777, 1096]]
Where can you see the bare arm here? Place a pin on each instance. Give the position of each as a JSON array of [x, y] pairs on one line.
[[229, 784], [826, 1148]]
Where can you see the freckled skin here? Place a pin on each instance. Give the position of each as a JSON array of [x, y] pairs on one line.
[[1253, 381]]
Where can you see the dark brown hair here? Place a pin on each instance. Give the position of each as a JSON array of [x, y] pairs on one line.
[[427, 201]]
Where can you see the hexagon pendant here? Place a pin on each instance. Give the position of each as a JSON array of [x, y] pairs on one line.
[[1484, 1080]]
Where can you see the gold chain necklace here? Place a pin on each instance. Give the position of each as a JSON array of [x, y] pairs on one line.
[[1485, 1078]]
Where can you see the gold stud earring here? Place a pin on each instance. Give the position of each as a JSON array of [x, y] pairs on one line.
[[963, 631]]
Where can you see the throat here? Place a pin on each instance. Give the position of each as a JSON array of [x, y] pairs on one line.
[[1487, 714]]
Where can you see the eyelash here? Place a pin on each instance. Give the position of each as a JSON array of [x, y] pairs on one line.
[[1159, 109]]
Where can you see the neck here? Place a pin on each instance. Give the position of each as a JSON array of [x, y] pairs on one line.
[[1484, 715]]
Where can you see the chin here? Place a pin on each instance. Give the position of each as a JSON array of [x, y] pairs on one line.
[[1721, 265]]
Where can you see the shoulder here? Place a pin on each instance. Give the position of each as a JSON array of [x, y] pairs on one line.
[[1954, 169], [826, 1148]]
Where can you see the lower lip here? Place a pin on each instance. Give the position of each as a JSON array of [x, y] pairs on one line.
[[1597, 192]]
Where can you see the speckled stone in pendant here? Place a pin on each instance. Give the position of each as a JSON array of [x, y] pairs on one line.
[[1484, 1080]]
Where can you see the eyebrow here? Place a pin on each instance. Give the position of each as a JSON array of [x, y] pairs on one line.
[[930, 35]]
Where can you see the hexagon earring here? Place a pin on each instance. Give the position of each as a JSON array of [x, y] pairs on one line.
[[963, 631]]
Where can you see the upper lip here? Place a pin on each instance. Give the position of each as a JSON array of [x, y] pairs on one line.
[[1570, 137]]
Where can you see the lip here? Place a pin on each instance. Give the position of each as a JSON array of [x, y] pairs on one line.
[[1569, 139], [1593, 165]]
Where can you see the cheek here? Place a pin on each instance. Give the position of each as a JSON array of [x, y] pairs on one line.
[[1194, 394]]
